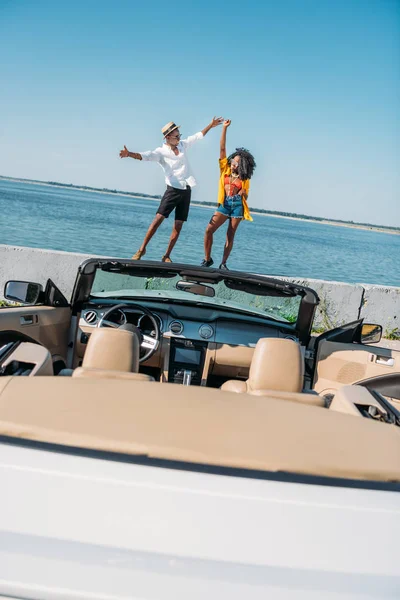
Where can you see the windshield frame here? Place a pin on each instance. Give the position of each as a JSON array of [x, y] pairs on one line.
[[253, 283]]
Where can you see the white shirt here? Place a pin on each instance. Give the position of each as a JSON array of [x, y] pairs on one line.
[[177, 170]]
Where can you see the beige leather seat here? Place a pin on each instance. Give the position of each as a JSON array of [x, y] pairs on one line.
[[277, 369], [112, 354], [107, 374]]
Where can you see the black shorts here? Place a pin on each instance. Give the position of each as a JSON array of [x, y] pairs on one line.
[[175, 199]]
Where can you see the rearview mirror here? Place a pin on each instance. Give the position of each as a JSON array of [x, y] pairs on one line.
[[22, 291], [371, 333], [195, 288]]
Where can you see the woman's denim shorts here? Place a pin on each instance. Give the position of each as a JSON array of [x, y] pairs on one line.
[[232, 207]]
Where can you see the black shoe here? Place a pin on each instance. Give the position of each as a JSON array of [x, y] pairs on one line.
[[223, 267], [207, 263]]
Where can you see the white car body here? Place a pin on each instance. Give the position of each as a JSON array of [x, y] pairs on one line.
[[79, 527]]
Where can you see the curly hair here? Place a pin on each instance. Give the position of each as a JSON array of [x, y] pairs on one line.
[[247, 164]]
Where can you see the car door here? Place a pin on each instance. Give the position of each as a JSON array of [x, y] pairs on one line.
[[47, 322], [341, 358]]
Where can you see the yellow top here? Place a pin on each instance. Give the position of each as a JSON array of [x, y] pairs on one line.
[[226, 170]]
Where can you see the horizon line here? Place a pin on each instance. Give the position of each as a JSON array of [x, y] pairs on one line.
[[158, 196]]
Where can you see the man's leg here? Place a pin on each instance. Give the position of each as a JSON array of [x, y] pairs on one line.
[[215, 223], [176, 230], [230, 236], [165, 208], [158, 219], [182, 199]]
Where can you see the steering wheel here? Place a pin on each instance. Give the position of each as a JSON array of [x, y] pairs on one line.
[[147, 343]]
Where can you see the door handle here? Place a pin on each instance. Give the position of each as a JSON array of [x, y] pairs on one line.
[[385, 360], [28, 319]]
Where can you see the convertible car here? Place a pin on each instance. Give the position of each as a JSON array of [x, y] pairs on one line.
[[194, 326], [178, 432]]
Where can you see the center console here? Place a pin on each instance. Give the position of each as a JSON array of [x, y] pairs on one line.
[[186, 361]]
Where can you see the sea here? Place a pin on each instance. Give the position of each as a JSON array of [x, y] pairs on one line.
[[106, 224]]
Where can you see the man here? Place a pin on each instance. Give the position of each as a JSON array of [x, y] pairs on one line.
[[172, 157]]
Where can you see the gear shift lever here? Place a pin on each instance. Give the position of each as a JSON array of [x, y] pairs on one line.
[[187, 377]]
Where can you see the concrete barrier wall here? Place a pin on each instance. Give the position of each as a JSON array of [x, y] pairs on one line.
[[340, 302]]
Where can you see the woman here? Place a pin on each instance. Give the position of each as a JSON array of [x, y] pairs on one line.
[[234, 184]]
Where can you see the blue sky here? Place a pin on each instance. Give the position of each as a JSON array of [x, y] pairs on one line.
[[312, 88]]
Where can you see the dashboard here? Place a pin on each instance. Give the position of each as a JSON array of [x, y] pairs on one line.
[[201, 339], [195, 323]]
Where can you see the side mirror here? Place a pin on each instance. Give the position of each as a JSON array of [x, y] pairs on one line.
[[371, 333], [22, 291], [195, 288]]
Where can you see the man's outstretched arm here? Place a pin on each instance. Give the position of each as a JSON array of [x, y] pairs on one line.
[[126, 154], [214, 123], [150, 155]]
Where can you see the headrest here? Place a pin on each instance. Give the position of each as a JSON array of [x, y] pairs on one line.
[[113, 350], [277, 364], [234, 385]]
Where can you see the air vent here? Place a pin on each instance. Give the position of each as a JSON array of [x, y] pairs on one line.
[[206, 331], [90, 317], [176, 327]]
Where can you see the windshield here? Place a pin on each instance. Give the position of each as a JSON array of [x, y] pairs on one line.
[[122, 285]]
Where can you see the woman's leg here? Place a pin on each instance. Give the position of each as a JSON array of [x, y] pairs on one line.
[[215, 222], [230, 236]]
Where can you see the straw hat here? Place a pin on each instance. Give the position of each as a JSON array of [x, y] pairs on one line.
[[169, 128]]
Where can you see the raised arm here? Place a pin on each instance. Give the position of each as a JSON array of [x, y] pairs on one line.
[[222, 146], [214, 123], [189, 141]]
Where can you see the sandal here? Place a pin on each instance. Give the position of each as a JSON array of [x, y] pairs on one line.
[[166, 259], [138, 255]]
